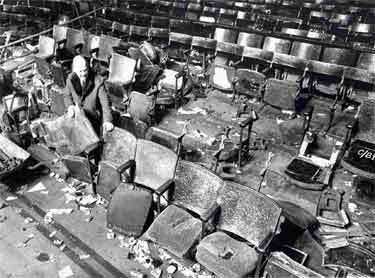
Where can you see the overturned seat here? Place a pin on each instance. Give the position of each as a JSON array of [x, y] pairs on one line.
[[247, 224], [193, 204]]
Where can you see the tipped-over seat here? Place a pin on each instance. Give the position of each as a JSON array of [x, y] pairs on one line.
[[193, 204], [247, 223]]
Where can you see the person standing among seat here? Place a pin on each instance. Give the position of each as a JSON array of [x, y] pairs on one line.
[[86, 91]]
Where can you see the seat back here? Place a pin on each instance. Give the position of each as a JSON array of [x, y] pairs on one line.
[[339, 56], [247, 213], [205, 43], [106, 45], [59, 33], [159, 36], [164, 137], [225, 35], [120, 30], [121, 69], [120, 146], [306, 51], [138, 33], [46, 46], [277, 45], [92, 43], [366, 61], [294, 32], [74, 39], [250, 40], [155, 164], [159, 22], [227, 16], [196, 187]]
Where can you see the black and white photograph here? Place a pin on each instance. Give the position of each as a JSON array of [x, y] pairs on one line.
[[187, 138]]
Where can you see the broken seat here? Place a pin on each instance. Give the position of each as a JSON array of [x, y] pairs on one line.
[[193, 204], [151, 174], [247, 224], [118, 151]]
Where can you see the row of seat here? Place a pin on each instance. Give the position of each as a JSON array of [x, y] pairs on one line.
[[245, 220], [232, 8], [288, 52], [342, 36]]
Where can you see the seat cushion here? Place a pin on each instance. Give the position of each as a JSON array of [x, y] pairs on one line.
[[175, 230], [169, 81], [129, 210], [225, 256], [281, 93]]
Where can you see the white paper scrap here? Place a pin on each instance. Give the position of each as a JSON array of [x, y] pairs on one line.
[[38, 187]]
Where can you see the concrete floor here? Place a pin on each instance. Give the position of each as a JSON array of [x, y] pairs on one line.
[[107, 259]]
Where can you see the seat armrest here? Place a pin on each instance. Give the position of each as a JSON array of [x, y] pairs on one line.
[[63, 62], [180, 74], [90, 149], [164, 187], [180, 137], [234, 64], [211, 212], [129, 164]]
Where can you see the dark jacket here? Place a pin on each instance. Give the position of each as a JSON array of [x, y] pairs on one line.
[[92, 99]]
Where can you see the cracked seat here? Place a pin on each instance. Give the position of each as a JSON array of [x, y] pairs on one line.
[[247, 223], [182, 223]]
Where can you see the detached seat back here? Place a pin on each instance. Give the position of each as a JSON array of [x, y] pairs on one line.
[[248, 215], [193, 204]]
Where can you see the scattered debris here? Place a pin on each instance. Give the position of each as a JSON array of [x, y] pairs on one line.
[[110, 234], [58, 242], [172, 268], [137, 274], [352, 207], [26, 241], [84, 256], [3, 218], [52, 234], [11, 198], [192, 111], [66, 272], [87, 200], [38, 187], [28, 220], [43, 257]]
